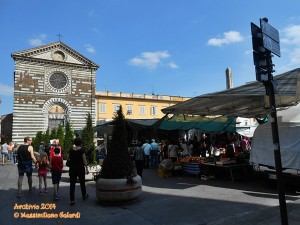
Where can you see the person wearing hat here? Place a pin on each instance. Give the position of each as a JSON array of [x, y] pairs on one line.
[[154, 154]]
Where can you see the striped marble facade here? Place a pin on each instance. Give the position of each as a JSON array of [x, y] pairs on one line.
[[35, 98]]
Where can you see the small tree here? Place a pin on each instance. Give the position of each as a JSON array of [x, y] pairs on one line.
[[68, 143], [37, 140], [53, 134], [47, 136], [88, 140], [60, 134], [118, 163]]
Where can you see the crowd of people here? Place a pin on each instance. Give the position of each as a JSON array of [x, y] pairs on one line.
[[148, 154], [47, 160], [9, 152], [205, 147]]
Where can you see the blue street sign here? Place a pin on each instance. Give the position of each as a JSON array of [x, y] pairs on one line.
[[271, 45], [269, 30]]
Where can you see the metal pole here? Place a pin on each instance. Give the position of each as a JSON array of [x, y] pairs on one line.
[[264, 66], [91, 92], [280, 179]]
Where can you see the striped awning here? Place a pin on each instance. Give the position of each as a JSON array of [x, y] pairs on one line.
[[248, 100]]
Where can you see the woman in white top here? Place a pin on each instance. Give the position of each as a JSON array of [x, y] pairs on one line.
[[173, 150], [185, 149]]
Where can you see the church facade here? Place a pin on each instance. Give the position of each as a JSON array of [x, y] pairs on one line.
[[52, 84]]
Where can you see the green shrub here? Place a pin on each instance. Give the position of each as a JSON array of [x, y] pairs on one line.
[[117, 163]]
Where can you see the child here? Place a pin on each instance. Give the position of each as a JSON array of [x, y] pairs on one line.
[[56, 163], [42, 164]]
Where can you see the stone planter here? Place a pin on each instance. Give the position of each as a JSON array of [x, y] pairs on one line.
[[65, 168], [117, 190], [93, 171]]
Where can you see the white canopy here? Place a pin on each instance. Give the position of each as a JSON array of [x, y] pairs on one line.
[[262, 148], [249, 100]]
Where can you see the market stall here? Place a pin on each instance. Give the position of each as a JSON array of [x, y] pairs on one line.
[[217, 166], [248, 101], [212, 126], [233, 170], [191, 165]]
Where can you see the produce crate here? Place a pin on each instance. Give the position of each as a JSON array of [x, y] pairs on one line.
[[225, 162], [191, 168], [164, 173]]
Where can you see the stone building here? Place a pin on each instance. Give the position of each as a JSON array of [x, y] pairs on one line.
[[52, 84], [6, 128]]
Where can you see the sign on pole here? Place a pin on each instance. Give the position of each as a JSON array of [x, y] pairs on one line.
[[270, 37], [269, 30], [271, 45], [267, 37]]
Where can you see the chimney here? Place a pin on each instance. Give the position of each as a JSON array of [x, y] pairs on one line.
[[229, 83]]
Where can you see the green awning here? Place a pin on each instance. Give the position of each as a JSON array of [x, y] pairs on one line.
[[176, 122], [206, 124], [137, 124]]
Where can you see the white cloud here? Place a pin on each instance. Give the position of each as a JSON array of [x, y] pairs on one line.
[[295, 56], [248, 52], [35, 42], [228, 38], [290, 38], [291, 35], [173, 65], [43, 36], [6, 90], [151, 60], [90, 48], [38, 41]]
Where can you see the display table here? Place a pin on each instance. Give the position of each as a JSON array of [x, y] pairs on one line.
[[191, 168], [236, 171]]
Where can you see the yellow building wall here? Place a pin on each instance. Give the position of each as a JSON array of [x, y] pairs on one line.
[[136, 100]]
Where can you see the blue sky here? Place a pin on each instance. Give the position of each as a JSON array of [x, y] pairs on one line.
[[169, 47]]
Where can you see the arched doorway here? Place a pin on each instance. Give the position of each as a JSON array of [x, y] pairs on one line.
[[56, 116], [57, 112]]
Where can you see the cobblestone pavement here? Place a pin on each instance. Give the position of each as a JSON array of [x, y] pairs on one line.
[[181, 199]]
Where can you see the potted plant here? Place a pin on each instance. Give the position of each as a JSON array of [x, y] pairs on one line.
[[117, 180]]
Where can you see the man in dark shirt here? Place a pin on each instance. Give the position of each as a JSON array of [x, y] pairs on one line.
[[25, 158]]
